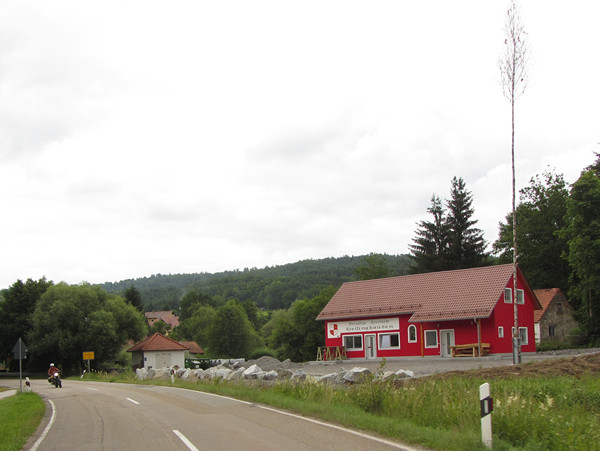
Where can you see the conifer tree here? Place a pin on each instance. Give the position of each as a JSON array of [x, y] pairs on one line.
[[431, 244], [466, 246], [450, 241]]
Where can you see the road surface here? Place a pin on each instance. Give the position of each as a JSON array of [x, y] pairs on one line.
[[104, 416]]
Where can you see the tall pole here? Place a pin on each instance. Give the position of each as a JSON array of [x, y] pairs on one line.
[[516, 335], [513, 69]]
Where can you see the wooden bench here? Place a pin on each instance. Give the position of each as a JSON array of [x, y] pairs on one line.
[[470, 350]]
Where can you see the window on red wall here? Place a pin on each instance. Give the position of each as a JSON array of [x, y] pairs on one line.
[[431, 340], [412, 333], [389, 341], [520, 297], [353, 342], [524, 334]]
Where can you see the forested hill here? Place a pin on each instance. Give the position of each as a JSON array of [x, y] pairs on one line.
[[271, 287]]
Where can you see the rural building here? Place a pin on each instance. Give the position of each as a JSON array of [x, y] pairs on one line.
[[166, 317], [555, 321], [194, 349], [431, 314], [158, 351]]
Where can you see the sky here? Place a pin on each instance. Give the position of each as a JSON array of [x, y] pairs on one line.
[[155, 137]]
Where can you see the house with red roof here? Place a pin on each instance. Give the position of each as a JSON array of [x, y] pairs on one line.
[[555, 321], [158, 351], [167, 317], [431, 314]]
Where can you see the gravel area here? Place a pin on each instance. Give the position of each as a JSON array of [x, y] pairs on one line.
[[420, 366]]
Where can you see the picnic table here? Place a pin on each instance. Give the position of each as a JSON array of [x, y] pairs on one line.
[[470, 350]]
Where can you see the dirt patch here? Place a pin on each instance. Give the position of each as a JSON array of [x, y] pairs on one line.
[[558, 366]]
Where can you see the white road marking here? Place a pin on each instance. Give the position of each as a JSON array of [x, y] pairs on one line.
[[339, 428], [47, 429], [329, 425], [185, 440], [95, 389], [132, 400]]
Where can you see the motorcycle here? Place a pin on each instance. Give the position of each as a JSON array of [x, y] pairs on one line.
[[54, 379]]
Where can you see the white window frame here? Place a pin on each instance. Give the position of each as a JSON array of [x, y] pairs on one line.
[[500, 332], [523, 334], [362, 341], [412, 327], [428, 334], [520, 297], [507, 296], [381, 339]]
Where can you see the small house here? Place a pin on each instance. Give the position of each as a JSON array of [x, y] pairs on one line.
[[166, 316], [158, 351], [555, 321], [434, 314]]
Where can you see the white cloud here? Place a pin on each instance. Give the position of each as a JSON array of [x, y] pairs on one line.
[[145, 138]]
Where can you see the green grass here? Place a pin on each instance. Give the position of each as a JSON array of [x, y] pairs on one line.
[[531, 413], [20, 416]]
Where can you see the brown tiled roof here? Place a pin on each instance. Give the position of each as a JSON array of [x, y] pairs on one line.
[[437, 296], [158, 342], [545, 296], [165, 316], [193, 347]]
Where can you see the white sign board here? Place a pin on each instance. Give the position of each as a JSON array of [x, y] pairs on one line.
[[334, 330]]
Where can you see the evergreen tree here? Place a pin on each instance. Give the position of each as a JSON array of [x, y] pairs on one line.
[[466, 246], [134, 297], [431, 244]]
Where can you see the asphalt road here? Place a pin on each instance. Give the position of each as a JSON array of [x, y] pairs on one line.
[[104, 416]]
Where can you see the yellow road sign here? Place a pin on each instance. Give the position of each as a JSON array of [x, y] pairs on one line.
[[88, 355]]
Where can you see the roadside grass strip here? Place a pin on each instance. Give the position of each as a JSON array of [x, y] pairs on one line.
[[20, 416]]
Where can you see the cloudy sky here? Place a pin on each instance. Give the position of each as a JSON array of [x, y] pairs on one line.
[[151, 137]]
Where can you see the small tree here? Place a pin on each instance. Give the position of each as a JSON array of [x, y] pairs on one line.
[[513, 72], [373, 267]]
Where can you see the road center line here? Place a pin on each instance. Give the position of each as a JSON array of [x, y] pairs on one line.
[[185, 440], [132, 400], [89, 388]]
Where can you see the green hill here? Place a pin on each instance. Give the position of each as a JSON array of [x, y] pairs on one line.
[[270, 287]]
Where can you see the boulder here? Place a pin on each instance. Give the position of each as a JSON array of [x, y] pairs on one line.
[[404, 373], [141, 374], [356, 375], [298, 375], [251, 371]]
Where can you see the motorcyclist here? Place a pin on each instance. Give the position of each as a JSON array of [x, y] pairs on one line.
[[53, 369]]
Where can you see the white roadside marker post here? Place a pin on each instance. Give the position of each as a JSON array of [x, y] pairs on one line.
[[486, 404]]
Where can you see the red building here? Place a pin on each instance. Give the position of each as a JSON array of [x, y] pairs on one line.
[[428, 314]]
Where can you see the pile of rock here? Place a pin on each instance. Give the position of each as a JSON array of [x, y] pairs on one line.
[[266, 369]]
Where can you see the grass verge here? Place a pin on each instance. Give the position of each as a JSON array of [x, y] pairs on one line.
[[20, 416]]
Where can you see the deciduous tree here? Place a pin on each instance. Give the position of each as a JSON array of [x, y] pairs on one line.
[[373, 266], [541, 215], [583, 235]]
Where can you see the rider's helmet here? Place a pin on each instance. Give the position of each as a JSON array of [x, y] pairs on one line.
[[52, 364]]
